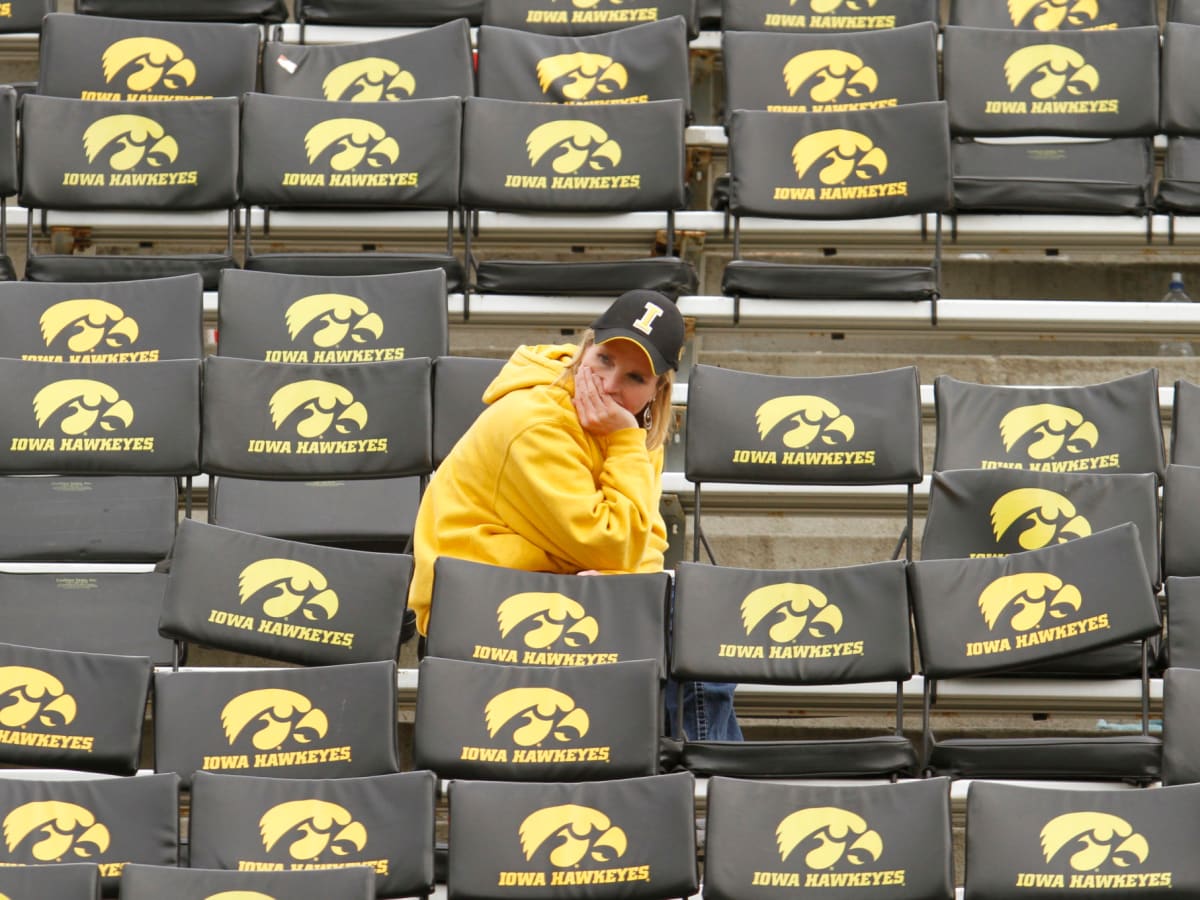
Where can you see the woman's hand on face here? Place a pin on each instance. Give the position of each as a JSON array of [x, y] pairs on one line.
[[599, 414]]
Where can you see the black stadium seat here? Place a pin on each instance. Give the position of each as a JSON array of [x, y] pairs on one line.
[[154, 882], [284, 600], [580, 17], [128, 157], [539, 618], [101, 58], [1043, 87], [78, 881], [749, 428], [112, 322], [1068, 841], [995, 512], [90, 612], [810, 837], [635, 64], [9, 183], [72, 710], [319, 722], [1186, 11], [862, 164], [992, 512], [337, 428], [184, 10], [385, 822], [327, 319], [458, 386], [106, 822], [1114, 426], [26, 15], [989, 615], [410, 13], [797, 627], [278, 317], [113, 442], [587, 162], [1038, 15], [538, 723], [430, 62], [796, 72], [1181, 689], [631, 838], [324, 156], [1181, 489]]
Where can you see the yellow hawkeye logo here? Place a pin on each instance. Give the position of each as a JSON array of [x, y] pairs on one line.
[[276, 715], [832, 74], [1095, 838], [1048, 70], [1054, 427], [56, 829], [576, 145], [78, 404], [369, 79], [815, 419], [582, 833], [348, 143], [1027, 598], [1048, 518], [840, 153], [283, 586], [91, 323], [310, 827], [550, 618], [128, 140], [796, 608], [28, 695], [578, 74], [545, 713], [838, 834], [323, 406], [335, 318], [158, 63], [1050, 15]]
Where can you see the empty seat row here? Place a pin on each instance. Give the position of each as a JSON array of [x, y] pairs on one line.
[[816, 15]]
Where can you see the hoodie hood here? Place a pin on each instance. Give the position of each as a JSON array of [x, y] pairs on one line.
[[531, 366]]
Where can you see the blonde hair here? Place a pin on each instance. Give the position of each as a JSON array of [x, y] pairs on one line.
[[661, 418]]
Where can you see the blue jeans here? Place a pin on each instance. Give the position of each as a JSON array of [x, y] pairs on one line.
[[707, 711]]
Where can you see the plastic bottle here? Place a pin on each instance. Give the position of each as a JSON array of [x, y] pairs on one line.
[[1176, 294]]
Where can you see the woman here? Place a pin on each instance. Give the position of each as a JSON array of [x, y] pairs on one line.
[[562, 472]]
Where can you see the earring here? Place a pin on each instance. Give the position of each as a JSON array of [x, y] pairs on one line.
[[647, 421]]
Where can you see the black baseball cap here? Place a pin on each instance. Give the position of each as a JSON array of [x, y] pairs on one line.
[[649, 319]]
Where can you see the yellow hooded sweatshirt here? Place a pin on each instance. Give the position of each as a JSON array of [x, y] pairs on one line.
[[527, 488]]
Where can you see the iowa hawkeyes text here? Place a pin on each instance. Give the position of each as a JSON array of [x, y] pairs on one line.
[[565, 877], [802, 458], [594, 16], [129, 179], [83, 445], [369, 445], [574, 182], [843, 192], [894, 878], [273, 760], [1042, 636], [833, 23], [282, 629], [1093, 881], [1050, 107]]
